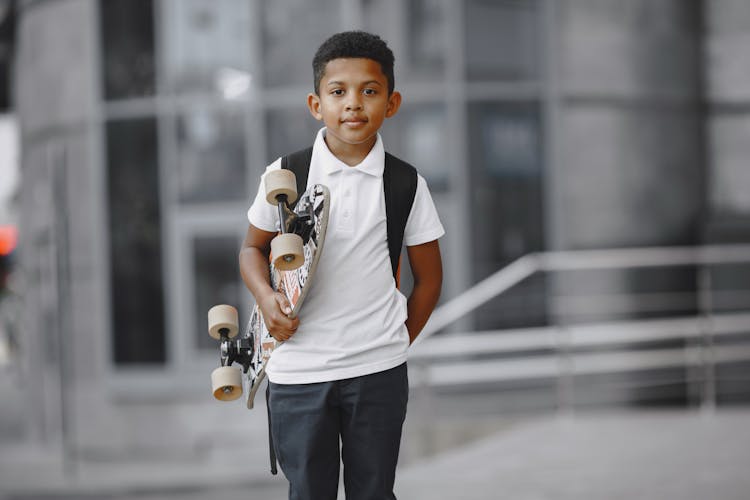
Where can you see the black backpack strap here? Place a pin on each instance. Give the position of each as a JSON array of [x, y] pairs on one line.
[[400, 187], [271, 447], [299, 163]]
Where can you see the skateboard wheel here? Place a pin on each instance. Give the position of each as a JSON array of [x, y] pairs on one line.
[[278, 182], [226, 383], [287, 251], [223, 317]]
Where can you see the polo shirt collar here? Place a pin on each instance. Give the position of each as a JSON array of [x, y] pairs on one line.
[[373, 164]]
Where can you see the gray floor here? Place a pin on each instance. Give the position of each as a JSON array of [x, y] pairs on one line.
[[647, 455], [620, 456]]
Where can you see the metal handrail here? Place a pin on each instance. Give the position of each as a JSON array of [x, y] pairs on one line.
[[581, 336], [578, 260], [564, 360]]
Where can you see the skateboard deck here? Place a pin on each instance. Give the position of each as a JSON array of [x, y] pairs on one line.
[[309, 220], [294, 284]]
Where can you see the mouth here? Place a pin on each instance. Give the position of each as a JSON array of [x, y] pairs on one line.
[[354, 122]]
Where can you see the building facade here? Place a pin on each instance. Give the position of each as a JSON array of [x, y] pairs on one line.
[[539, 125]]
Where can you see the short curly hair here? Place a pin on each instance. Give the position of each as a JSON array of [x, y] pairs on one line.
[[353, 44]]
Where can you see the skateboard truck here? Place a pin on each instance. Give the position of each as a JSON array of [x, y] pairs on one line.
[[300, 222], [226, 381], [281, 190], [235, 351]]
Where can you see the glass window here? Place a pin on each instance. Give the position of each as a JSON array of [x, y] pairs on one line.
[[427, 37], [207, 45], [417, 134], [289, 130], [505, 152], [506, 180], [379, 16], [8, 21], [211, 155], [502, 39], [216, 281], [509, 136], [418, 25], [292, 32], [135, 242], [127, 34], [728, 193]]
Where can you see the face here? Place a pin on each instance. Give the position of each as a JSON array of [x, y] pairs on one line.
[[353, 102]]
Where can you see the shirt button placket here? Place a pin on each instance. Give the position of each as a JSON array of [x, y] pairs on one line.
[[347, 205]]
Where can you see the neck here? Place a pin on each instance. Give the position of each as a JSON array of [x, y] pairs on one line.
[[350, 154]]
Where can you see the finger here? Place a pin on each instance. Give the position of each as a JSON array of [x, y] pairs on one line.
[[279, 324], [286, 308], [282, 335], [282, 322]]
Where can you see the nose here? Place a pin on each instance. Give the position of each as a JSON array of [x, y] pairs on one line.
[[353, 103]]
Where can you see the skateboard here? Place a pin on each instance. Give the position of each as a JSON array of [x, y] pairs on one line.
[[295, 253]]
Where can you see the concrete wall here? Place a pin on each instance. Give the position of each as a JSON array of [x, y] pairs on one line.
[[629, 165], [727, 73], [56, 95], [69, 382], [630, 141]]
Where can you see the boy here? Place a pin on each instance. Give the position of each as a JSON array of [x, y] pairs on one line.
[[340, 376]]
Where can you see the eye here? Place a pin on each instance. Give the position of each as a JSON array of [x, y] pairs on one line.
[[369, 91], [337, 92]]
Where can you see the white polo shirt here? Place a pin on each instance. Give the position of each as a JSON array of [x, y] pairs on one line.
[[352, 321]]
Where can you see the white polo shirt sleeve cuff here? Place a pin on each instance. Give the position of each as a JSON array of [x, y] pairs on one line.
[[261, 213], [425, 237], [423, 224]]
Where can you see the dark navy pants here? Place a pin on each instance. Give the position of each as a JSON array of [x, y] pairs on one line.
[[364, 415]]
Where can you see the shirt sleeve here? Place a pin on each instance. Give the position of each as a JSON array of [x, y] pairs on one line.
[[261, 213], [423, 224]]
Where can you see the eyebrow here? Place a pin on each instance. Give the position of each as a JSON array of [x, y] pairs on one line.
[[370, 82]]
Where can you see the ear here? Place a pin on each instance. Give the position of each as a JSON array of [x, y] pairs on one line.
[[394, 102], [313, 104]]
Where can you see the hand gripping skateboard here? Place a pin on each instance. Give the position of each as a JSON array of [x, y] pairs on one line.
[[295, 252]]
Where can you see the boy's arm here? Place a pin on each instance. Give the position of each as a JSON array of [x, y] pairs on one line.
[[427, 269], [254, 270]]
